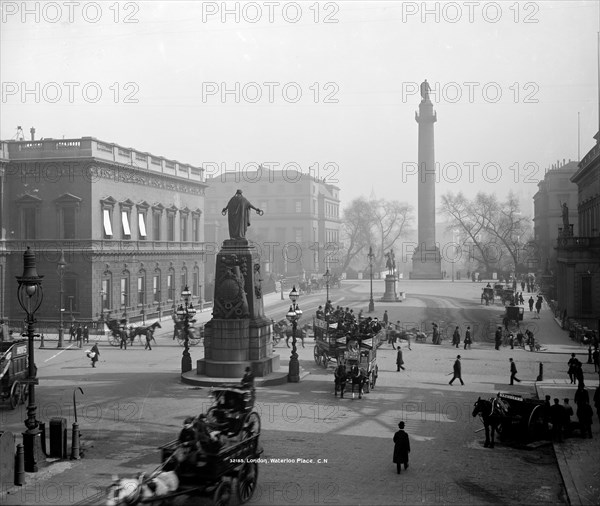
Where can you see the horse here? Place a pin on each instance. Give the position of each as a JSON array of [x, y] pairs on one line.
[[148, 332], [303, 333], [491, 413], [134, 490], [340, 378], [358, 377]]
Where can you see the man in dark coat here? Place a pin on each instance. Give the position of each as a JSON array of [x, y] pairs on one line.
[[498, 337], [436, 334], [572, 365], [94, 354], [399, 360], [585, 414], [513, 372], [457, 371], [401, 448], [557, 417], [456, 337], [531, 302], [468, 339], [581, 395]]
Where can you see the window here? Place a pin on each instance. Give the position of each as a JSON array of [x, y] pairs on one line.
[[156, 288], [298, 206], [142, 225], [105, 294], [183, 279], [29, 216], [171, 227], [156, 217], [107, 223], [184, 227], [298, 236], [141, 290], [68, 222], [70, 294], [125, 222], [196, 227], [124, 302], [170, 287], [196, 284]]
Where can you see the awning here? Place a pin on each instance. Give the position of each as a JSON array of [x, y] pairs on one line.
[[106, 221]]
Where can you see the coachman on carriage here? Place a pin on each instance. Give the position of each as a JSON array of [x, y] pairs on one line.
[[213, 452]]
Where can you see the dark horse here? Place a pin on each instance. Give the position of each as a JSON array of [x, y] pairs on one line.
[[358, 377], [491, 414], [340, 378], [148, 332], [301, 333]]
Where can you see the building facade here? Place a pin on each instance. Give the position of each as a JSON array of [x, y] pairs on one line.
[[554, 190], [299, 233], [578, 254], [130, 225]]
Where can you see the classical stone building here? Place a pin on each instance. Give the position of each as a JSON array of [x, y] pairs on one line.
[[130, 225], [554, 190], [299, 231], [578, 253]]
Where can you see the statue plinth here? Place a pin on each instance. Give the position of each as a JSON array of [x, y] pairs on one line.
[[427, 263], [390, 294], [239, 334]]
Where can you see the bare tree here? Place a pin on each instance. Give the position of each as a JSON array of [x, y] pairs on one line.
[[391, 221], [357, 223]]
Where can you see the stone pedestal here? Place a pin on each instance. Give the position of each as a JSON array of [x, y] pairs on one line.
[[427, 263], [239, 334], [390, 294]]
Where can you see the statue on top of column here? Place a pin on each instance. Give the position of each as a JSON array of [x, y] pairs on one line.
[[425, 89], [238, 208]]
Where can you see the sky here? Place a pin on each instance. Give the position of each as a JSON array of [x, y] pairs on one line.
[[329, 88]]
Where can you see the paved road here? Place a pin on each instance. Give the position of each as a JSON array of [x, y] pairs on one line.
[[133, 401]]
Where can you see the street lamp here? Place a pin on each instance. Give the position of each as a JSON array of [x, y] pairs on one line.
[[30, 296], [61, 274], [186, 313], [371, 255], [327, 276], [293, 316]]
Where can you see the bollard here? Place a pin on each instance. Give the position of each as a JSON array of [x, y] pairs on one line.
[[42, 428], [20, 465], [541, 374], [75, 442]]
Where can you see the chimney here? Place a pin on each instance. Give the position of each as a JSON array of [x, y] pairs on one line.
[[32, 132]]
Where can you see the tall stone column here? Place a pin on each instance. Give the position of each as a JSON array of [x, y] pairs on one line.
[[426, 257]]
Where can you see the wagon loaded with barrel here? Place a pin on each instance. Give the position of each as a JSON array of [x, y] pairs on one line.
[[213, 453]]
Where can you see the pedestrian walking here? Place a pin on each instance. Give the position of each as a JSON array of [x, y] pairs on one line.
[[94, 354], [522, 287], [597, 401], [468, 339], [149, 337], [538, 306], [513, 372], [584, 415], [498, 337], [436, 334], [572, 366], [581, 395], [521, 299], [568, 412], [579, 373], [457, 371], [399, 360], [456, 337], [511, 341], [385, 318], [72, 332], [86, 334], [401, 448], [557, 417], [79, 335], [530, 301]]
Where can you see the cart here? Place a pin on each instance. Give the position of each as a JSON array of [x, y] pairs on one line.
[[524, 418], [487, 296], [194, 334], [507, 296], [329, 342], [514, 315], [14, 371], [200, 471]]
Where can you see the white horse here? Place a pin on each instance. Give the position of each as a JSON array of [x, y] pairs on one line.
[[132, 490]]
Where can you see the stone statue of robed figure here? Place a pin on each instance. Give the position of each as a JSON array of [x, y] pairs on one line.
[[238, 209]]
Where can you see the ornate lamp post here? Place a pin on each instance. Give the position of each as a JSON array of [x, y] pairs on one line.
[[293, 316], [61, 274], [30, 296], [371, 255], [327, 276], [186, 313]]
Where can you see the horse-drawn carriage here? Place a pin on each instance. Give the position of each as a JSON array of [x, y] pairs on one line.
[[194, 334], [119, 332], [213, 452], [487, 295], [282, 329], [508, 296], [513, 315], [14, 371], [328, 340], [512, 417]]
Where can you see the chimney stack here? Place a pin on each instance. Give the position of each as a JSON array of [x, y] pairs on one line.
[[32, 132]]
